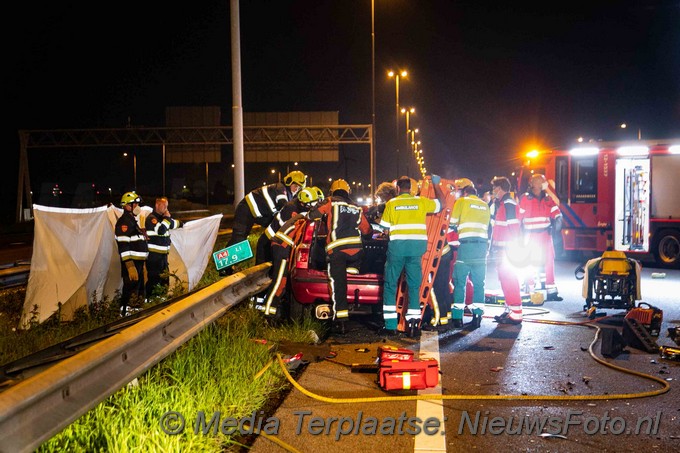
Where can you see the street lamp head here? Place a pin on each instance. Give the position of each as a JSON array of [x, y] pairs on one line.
[[401, 73]]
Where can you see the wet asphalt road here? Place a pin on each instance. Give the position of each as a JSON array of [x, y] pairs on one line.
[[537, 358]]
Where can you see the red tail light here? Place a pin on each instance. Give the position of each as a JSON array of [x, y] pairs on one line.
[[309, 233]]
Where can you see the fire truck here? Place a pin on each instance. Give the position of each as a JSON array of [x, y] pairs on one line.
[[616, 196]]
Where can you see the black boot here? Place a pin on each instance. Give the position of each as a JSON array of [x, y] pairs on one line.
[[414, 328]]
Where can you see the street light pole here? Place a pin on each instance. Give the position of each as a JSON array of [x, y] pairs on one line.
[[373, 145], [408, 112], [396, 76]]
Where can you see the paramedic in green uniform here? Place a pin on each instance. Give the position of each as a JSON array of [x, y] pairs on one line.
[[404, 218], [470, 217]]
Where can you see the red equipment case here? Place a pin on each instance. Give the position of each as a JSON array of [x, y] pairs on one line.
[[408, 375], [393, 353]]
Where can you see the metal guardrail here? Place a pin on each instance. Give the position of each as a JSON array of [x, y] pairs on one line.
[[39, 407], [14, 275]]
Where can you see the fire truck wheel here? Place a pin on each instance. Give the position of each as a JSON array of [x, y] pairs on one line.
[[667, 250]]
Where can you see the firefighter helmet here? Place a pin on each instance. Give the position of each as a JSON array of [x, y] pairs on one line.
[[340, 184], [308, 196], [414, 187], [130, 197], [319, 193], [462, 183], [295, 177]]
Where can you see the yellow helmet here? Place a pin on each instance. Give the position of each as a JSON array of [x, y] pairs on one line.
[[462, 183], [414, 187], [340, 184], [308, 196], [296, 177], [319, 193], [130, 197]]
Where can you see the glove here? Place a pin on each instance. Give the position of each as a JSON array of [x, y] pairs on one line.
[[132, 271], [436, 179]]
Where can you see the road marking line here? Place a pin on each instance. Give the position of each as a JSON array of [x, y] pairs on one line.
[[429, 347]]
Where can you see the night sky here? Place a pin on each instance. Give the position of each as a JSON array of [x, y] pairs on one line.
[[488, 79]]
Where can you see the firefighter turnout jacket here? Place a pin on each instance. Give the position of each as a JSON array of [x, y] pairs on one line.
[[288, 211], [283, 247], [130, 238], [158, 231], [266, 201], [346, 224]]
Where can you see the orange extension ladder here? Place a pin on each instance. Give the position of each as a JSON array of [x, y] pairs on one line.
[[437, 227]]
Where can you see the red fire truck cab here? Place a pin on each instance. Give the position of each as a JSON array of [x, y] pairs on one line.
[[617, 196]]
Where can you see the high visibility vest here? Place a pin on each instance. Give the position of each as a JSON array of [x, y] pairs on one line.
[[471, 218], [405, 217]]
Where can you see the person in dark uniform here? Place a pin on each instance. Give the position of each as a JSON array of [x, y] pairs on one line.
[[346, 225], [305, 199], [158, 225], [133, 251], [283, 246], [261, 205]]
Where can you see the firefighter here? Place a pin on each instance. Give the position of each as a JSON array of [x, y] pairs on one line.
[[470, 218], [304, 200], [261, 205], [346, 225], [405, 219], [158, 225], [319, 194], [133, 251], [505, 233], [283, 246], [539, 215]]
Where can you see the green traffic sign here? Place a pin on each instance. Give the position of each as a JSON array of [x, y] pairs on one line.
[[232, 254]]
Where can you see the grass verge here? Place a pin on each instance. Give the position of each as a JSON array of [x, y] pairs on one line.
[[218, 374]]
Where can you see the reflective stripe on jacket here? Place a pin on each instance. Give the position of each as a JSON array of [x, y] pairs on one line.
[[346, 223], [405, 216], [130, 238], [535, 213], [504, 221], [471, 218], [266, 201], [158, 231]]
